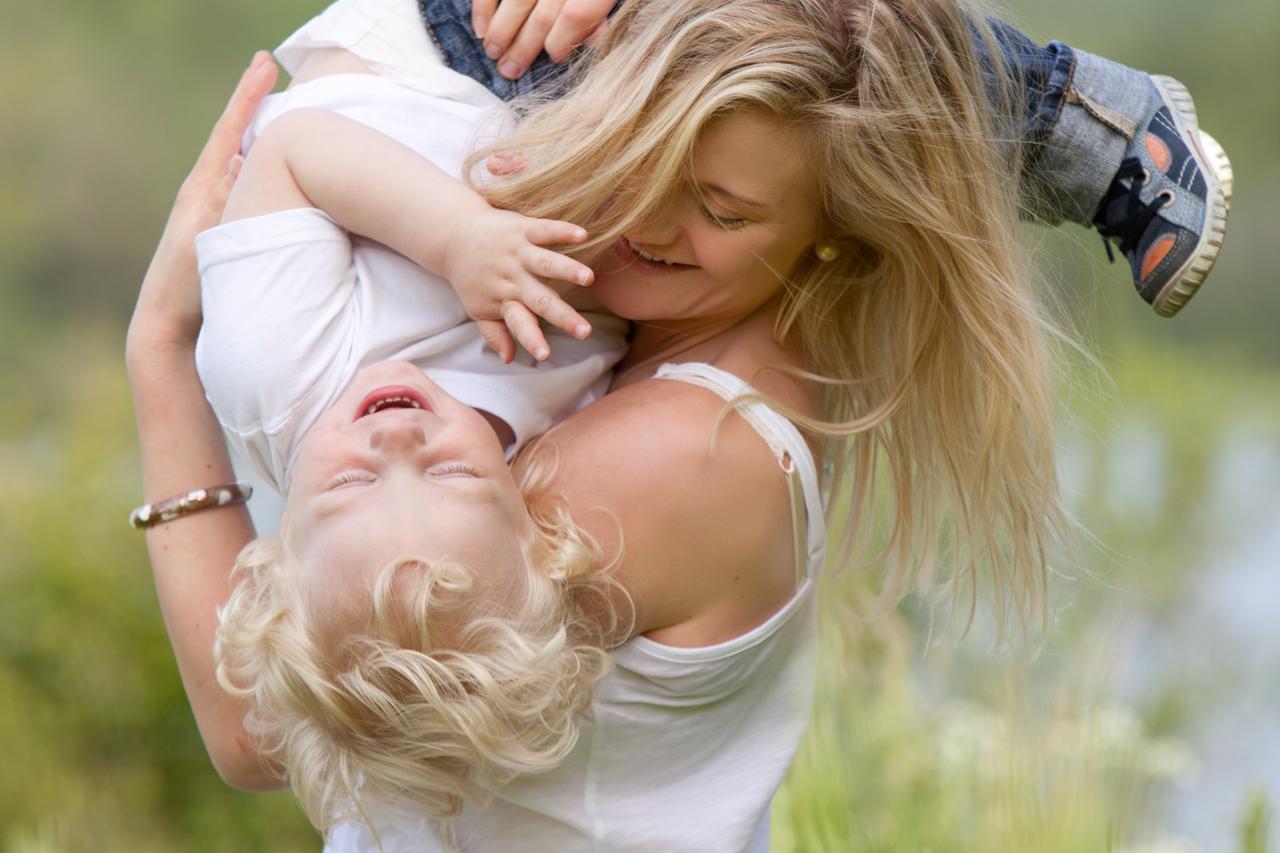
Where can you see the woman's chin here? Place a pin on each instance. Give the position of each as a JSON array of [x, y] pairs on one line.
[[623, 295]]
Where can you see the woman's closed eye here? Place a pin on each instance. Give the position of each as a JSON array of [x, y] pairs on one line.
[[726, 222]]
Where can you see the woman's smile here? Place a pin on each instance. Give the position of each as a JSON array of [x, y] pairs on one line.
[[725, 242], [644, 261]]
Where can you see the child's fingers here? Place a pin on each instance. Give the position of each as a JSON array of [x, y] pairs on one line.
[[524, 326], [505, 23], [529, 41], [501, 164], [577, 20], [495, 334], [549, 264], [481, 13], [545, 232], [548, 305]]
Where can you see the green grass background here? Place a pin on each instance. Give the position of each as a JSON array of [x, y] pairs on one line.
[[916, 746]]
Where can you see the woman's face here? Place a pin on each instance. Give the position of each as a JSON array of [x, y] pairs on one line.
[[728, 255]]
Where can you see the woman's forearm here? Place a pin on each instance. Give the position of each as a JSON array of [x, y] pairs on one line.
[[181, 441], [191, 558]]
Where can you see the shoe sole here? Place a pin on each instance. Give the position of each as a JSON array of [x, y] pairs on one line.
[[1187, 280]]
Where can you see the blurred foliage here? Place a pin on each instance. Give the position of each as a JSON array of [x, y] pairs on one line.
[[105, 107], [1255, 829], [965, 746], [102, 750], [883, 770]]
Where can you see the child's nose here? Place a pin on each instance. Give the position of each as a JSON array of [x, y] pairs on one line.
[[397, 434]]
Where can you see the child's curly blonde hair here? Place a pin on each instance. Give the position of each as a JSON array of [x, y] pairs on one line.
[[443, 697]]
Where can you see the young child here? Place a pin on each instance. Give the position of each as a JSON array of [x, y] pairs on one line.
[[415, 633]]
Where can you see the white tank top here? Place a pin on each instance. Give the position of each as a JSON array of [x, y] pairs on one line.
[[684, 747]]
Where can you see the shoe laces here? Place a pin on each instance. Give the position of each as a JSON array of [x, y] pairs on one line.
[[1132, 224]]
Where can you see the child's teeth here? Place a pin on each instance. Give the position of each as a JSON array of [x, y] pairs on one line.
[[374, 407]]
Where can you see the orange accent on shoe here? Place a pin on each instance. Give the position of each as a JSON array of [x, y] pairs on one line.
[[1155, 255], [1159, 152]]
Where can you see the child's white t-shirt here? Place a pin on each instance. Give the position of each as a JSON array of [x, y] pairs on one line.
[[294, 306]]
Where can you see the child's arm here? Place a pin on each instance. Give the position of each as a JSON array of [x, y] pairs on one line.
[[182, 447], [376, 187]]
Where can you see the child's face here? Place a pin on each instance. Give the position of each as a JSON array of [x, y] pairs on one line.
[[731, 254], [428, 481]]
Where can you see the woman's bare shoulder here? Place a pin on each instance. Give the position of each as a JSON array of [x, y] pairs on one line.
[[704, 537]]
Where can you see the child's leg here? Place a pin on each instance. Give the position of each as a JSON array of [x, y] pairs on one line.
[[1079, 111], [1115, 149]]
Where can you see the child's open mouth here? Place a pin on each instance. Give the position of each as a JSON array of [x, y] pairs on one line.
[[391, 397]]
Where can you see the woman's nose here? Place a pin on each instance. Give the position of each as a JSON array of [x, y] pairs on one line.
[[395, 434], [662, 229]]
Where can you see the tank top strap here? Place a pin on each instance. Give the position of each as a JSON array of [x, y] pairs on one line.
[[788, 447]]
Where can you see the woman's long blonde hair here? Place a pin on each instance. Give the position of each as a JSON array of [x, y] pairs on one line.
[[923, 336]]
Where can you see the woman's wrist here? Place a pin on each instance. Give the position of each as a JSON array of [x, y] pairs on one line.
[[170, 293]]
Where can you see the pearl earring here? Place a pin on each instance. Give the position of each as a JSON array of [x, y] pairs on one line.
[[826, 252]]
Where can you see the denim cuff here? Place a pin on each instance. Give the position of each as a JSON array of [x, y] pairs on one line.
[[1103, 105], [1044, 111]]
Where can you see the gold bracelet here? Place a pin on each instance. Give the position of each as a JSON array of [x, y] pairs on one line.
[[149, 515]]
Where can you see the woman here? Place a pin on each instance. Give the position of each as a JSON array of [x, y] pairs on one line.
[[803, 196]]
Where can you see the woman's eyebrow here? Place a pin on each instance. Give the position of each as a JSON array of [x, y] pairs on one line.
[[719, 190]]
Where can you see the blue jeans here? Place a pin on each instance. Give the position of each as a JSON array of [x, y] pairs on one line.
[[1080, 110]]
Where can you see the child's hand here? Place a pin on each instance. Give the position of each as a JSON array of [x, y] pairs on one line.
[[516, 31], [496, 262]]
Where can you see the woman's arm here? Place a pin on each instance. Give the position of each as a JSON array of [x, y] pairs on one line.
[[181, 442], [378, 188]]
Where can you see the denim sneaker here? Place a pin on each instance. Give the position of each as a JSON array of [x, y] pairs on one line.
[[1167, 205]]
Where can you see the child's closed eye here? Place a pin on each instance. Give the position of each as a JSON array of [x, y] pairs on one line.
[[444, 470], [453, 469], [347, 478]]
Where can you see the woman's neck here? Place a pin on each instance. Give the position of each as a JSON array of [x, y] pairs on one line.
[[656, 342]]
